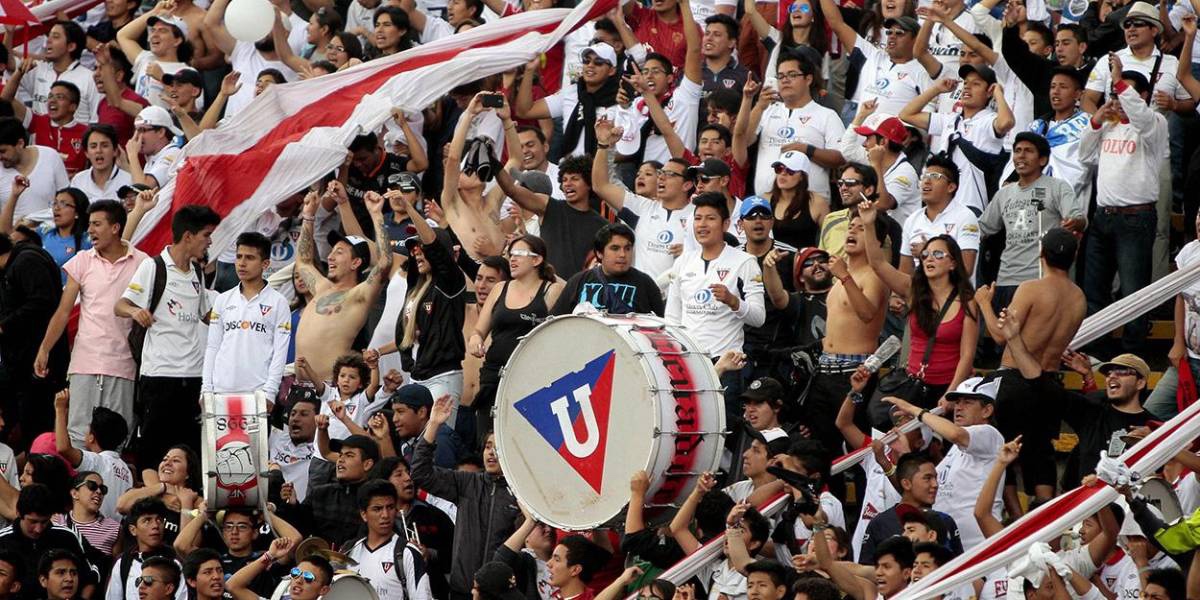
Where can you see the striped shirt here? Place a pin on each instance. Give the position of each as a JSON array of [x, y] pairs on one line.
[[101, 533]]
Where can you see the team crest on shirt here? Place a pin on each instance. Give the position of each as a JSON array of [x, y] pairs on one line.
[[196, 286], [804, 120], [351, 409], [265, 309], [428, 306], [76, 145], [721, 273], [728, 83], [387, 566]]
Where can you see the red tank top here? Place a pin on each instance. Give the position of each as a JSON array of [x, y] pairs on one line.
[[943, 361]]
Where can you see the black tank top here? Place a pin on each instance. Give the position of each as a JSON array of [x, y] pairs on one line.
[[508, 325]]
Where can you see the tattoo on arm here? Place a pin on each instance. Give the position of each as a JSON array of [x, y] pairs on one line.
[[305, 251], [383, 254]]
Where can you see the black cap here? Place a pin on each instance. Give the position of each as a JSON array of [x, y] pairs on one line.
[[983, 71], [712, 167], [1039, 142], [441, 235], [763, 389], [906, 23], [132, 188], [497, 581], [360, 246], [1141, 85], [775, 439], [191, 76], [369, 448], [1060, 243], [414, 395]]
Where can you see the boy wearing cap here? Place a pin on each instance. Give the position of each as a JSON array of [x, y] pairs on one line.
[[1035, 204], [789, 119], [878, 139], [765, 445], [169, 50], [411, 404], [155, 139], [977, 129]]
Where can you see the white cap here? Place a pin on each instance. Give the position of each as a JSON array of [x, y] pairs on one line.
[[794, 160], [171, 20], [602, 50], [976, 387], [156, 116]]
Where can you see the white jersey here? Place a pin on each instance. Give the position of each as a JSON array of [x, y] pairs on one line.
[[879, 495], [161, 164], [657, 230], [812, 124], [946, 47], [47, 177], [35, 89], [713, 324], [115, 473], [683, 110], [979, 131], [293, 460], [84, 182], [1163, 80], [247, 342], [960, 477], [150, 88], [407, 581], [1065, 162], [955, 220], [1120, 575], [358, 407], [175, 342], [892, 85]]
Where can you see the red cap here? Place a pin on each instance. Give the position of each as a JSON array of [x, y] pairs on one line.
[[893, 130]]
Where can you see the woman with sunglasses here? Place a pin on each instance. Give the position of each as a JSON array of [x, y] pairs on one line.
[[942, 304], [798, 211], [803, 31], [87, 494], [509, 313]]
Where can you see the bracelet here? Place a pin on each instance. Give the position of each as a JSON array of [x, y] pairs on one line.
[[307, 218], [819, 527], [921, 415], [266, 560], [890, 472], [809, 150], [602, 146]]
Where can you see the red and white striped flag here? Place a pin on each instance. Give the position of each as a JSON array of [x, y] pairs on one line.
[[294, 134], [1051, 519]]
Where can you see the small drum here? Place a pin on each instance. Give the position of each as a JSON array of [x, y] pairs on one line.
[[585, 401], [345, 586], [235, 450]]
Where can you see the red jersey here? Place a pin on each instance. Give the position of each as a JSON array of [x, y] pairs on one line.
[[737, 173], [659, 36], [119, 119], [67, 139]]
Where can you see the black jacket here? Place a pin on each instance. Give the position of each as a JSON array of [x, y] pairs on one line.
[[56, 537], [329, 511], [1033, 70], [1107, 35], [440, 313], [30, 289]]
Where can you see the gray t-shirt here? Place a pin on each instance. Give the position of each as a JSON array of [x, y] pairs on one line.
[[1013, 211]]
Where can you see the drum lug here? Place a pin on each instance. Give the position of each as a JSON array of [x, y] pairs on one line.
[[688, 473], [689, 390], [659, 432]]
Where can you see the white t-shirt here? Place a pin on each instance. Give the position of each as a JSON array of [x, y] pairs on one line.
[[161, 164], [292, 459], [247, 60], [562, 104], [904, 185], [84, 182], [703, 9], [890, 84], [812, 124], [47, 177], [150, 88], [995, 586], [960, 477], [955, 220], [657, 230], [879, 495], [175, 342], [379, 567], [683, 110], [130, 592], [978, 130], [724, 581], [1165, 79], [946, 47], [714, 325], [359, 408], [35, 89], [115, 473], [247, 342], [1122, 578]]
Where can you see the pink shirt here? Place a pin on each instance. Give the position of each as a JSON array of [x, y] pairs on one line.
[[102, 345]]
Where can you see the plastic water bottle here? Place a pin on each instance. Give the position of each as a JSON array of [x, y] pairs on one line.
[[885, 352]]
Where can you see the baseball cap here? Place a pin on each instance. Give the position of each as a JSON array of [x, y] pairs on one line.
[[190, 76], [906, 23], [132, 188], [712, 167], [156, 116], [414, 395], [602, 51], [976, 388], [171, 20], [775, 439], [752, 203], [1059, 246], [763, 389], [793, 160], [359, 245], [535, 181], [983, 71], [405, 181], [891, 128], [497, 581], [368, 446], [1128, 361]]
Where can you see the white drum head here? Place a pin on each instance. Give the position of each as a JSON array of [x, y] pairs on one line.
[[576, 415], [349, 586]]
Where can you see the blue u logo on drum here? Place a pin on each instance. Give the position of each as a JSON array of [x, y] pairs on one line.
[[571, 414]]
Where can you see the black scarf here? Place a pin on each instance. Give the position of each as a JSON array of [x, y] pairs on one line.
[[585, 114]]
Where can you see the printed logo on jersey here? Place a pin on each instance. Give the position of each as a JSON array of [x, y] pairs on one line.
[[721, 273], [786, 132], [265, 309], [387, 566], [665, 237], [571, 414], [703, 296]]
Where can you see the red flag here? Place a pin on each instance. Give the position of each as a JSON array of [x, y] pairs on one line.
[[1185, 389]]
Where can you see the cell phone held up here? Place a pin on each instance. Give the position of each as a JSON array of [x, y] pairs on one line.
[[493, 101]]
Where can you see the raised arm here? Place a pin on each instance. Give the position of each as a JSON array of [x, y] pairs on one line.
[[921, 50], [772, 283], [855, 437], [1005, 120], [988, 523], [895, 279], [1184, 73], [128, 36], [229, 87], [613, 194], [381, 263], [9, 94], [62, 438], [658, 115], [865, 306], [108, 75], [761, 27], [639, 485], [693, 62], [947, 429], [939, 13], [214, 22], [1140, 115], [681, 525], [850, 584], [742, 134], [418, 158], [833, 18], [280, 36], [1009, 324], [914, 113], [526, 107], [525, 197], [239, 584]]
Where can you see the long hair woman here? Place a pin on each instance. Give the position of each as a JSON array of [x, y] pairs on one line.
[[512, 310], [798, 211]]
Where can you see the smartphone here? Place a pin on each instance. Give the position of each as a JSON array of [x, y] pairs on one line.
[[493, 101]]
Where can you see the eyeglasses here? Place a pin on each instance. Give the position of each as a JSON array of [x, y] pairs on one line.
[[1131, 23], [308, 576], [780, 169], [525, 253], [707, 178], [655, 71], [930, 175], [896, 32], [147, 580], [330, 48], [936, 254], [92, 486], [790, 75], [237, 527], [848, 182], [666, 173], [758, 215], [62, 204]]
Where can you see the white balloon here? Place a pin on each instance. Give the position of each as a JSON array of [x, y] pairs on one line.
[[249, 20]]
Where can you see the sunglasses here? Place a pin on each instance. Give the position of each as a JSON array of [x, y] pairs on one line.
[[848, 182], [1131, 23], [308, 576], [936, 254], [707, 178], [92, 486], [797, 7], [928, 175], [593, 60], [758, 215], [780, 169], [1121, 373], [808, 262], [525, 253], [147, 580]]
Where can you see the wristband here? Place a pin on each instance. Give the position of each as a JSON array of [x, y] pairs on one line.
[[266, 560], [307, 218], [921, 415], [890, 472], [809, 151], [602, 146]]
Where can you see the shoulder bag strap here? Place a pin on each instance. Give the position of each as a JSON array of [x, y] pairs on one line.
[[933, 337]]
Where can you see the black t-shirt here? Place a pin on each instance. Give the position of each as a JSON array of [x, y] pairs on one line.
[[808, 313], [568, 234], [777, 328], [379, 181], [1094, 420], [629, 292]]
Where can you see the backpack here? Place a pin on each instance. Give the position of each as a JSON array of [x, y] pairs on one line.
[[137, 333]]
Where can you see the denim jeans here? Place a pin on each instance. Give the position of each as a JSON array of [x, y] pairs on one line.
[[1120, 244], [1162, 402]]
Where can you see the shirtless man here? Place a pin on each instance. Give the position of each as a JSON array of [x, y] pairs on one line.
[[1053, 307], [856, 307], [340, 301], [473, 216]]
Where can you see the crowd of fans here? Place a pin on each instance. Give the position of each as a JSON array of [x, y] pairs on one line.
[[792, 182]]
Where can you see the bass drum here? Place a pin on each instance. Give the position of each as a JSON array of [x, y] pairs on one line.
[[234, 451], [586, 401], [346, 586]]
